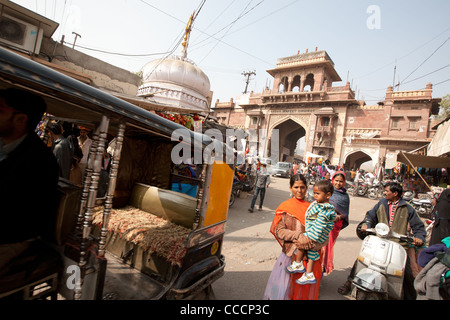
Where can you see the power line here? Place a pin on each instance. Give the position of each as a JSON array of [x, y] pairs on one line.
[[231, 25], [426, 59], [181, 39], [403, 82], [119, 54], [404, 56], [426, 74], [435, 84], [173, 49]]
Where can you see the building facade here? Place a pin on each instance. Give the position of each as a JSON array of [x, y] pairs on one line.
[[336, 126]]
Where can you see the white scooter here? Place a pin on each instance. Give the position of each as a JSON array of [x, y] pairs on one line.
[[380, 266]]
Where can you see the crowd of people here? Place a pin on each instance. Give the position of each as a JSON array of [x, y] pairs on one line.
[[70, 145], [307, 232]]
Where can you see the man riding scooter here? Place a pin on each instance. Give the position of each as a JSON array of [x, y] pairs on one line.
[[397, 214]]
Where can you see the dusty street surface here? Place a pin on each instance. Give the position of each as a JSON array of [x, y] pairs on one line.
[[251, 250]]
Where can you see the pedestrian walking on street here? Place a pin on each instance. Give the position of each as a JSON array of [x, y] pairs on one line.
[[262, 182], [320, 218], [288, 227], [341, 202]]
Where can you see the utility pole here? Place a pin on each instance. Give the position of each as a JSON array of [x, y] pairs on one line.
[[76, 36], [247, 74], [393, 80]]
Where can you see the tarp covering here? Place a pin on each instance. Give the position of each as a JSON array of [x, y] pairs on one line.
[[312, 155], [423, 161], [391, 160], [441, 140]]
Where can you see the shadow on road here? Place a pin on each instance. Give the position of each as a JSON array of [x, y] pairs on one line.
[[257, 281]]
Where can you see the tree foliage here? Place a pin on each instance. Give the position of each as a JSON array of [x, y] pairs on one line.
[[444, 111]]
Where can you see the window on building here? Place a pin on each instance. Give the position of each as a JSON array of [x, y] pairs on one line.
[[413, 123], [309, 83], [395, 123], [254, 120], [325, 121], [284, 85], [296, 84]]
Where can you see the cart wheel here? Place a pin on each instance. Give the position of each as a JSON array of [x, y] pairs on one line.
[[209, 293], [232, 199]]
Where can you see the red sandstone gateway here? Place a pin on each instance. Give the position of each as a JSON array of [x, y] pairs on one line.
[[145, 229]]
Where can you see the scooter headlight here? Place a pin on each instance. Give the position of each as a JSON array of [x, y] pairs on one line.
[[382, 229]]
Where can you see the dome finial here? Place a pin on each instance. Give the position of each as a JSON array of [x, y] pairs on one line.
[[186, 36]]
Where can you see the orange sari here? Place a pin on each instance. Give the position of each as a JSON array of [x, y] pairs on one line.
[[298, 209]]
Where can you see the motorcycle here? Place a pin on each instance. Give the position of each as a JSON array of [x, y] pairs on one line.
[[424, 207], [376, 190], [235, 191], [363, 188], [351, 188], [312, 177], [241, 183], [381, 264], [408, 196]]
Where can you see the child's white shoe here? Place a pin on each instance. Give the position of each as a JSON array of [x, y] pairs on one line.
[[307, 278], [295, 267]]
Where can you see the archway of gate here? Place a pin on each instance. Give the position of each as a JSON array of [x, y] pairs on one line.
[[289, 131], [355, 159]]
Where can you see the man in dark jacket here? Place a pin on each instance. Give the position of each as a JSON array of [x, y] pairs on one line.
[[28, 174], [62, 149], [397, 214]]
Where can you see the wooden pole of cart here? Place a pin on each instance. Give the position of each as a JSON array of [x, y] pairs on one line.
[[415, 169], [96, 153]]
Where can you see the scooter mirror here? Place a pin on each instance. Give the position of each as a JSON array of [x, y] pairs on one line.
[[382, 229]]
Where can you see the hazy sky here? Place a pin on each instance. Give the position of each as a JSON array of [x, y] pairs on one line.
[[365, 39]]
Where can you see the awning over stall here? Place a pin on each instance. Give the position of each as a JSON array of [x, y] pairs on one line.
[[441, 140], [312, 155], [423, 161]]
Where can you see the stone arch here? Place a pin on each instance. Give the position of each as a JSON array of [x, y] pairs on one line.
[[354, 158], [299, 121], [309, 82], [296, 84], [284, 85], [290, 130]]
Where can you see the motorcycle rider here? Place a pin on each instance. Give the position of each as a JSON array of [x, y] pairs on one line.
[[396, 213], [359, 174], [369, 177]]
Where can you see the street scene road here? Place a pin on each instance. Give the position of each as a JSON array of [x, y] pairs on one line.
[[251, 250]]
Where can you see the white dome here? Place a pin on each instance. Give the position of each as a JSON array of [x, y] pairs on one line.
[[175, 71]]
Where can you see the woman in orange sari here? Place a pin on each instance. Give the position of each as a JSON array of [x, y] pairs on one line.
[[287, 227]]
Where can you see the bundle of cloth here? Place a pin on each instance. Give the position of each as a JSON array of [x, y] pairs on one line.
[[433, 281], [148, 231]]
